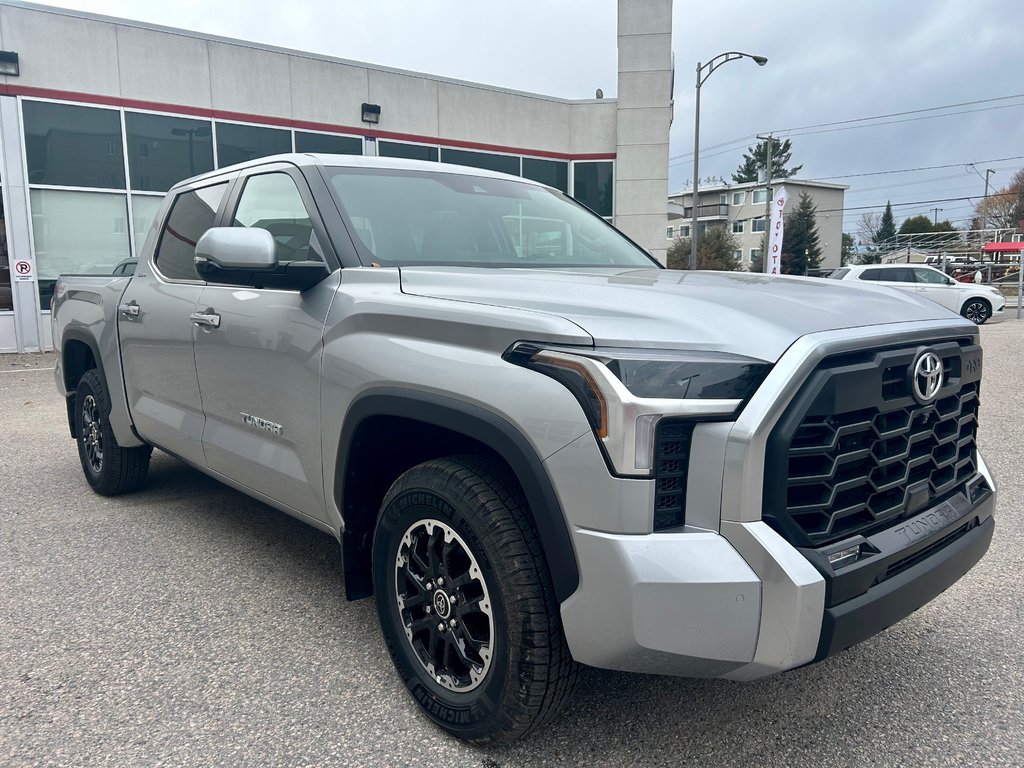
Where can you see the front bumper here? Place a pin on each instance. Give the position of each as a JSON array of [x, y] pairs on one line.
[[730, 597], [696, 604]]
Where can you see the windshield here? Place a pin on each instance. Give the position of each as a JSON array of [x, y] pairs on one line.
[[407, 218]]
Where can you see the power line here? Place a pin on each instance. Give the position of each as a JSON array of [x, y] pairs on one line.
[[681, 161], [851, 121], [862, 119], [968, 198], [919, 168]]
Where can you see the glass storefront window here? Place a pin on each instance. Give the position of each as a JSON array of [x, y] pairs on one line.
[[554, 173], [238, 143], [407, 151], [144, 210], [592, 186], [77, 233], [327, 144], [73, 146], [164, 150], [501, 163], [6, 299]]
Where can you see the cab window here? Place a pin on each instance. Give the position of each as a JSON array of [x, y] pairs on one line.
[[271, 201]]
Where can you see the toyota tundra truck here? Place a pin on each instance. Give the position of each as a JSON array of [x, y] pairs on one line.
[[537, 448]]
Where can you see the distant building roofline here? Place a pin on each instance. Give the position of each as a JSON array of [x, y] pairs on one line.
[[743, 186]]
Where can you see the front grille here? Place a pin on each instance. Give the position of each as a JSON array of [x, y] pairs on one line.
[[855, 452], [671, 463]]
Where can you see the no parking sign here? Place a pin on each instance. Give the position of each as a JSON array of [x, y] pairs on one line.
[[23, 270]]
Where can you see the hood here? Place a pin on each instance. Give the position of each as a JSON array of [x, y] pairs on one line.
[[738, 312]]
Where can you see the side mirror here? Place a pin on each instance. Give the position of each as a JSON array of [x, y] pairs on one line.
[[245, 249], [248, 256]]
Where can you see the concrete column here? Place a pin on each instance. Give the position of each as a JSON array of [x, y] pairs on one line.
[[644, 114], [27, 329]]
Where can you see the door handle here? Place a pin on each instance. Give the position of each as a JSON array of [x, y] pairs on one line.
[[208, 319], [130, 310]]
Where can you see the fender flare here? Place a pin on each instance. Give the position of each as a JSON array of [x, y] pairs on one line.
[[75, 334], [487, 428]]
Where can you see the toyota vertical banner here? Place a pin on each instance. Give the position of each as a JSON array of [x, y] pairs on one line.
[[773, 263]]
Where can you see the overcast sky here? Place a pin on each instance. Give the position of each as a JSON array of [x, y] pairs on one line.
[[828, 61]]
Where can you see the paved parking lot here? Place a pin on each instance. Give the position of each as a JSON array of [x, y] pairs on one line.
[[189, 625]]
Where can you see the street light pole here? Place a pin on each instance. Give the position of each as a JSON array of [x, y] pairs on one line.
[[703, 75], [988, 172]]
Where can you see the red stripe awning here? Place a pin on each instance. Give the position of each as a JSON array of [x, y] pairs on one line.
[[1003, 247]]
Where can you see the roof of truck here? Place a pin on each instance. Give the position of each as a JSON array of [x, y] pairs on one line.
[[358, 161]]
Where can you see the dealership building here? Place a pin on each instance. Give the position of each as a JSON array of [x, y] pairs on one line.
[[100, 116]]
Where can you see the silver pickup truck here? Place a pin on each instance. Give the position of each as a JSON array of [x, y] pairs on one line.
[[537, 448]]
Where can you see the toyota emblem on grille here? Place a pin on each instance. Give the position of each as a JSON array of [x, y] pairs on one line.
[[926, 377]]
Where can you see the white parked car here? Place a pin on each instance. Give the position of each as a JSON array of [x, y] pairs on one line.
[[978, 303]]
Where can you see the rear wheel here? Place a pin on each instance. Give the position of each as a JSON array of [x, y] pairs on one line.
[[466, 602], [109, 468], [977, 311]]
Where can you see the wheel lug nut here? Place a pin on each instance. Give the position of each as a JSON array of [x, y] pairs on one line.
[[452, 623], [429, 585], [440, 627], [440, 581], [427, 609]]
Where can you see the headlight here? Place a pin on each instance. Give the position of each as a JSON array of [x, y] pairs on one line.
[[625, 393]]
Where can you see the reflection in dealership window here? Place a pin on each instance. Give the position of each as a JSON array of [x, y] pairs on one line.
[[6, 300], [164, 150], [554, 173], [328, 144], [238, 143], [592, 186], [73, 146], [77, 233]]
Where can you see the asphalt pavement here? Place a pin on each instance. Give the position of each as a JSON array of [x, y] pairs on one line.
[[187, 625]]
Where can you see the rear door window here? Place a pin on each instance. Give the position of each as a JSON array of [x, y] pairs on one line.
[[192, 213], [898, 275]]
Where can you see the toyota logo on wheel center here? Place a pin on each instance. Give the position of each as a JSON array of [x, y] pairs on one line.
[[442, 604], [926, 376]]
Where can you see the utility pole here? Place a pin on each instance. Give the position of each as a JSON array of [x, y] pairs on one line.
[[935, 216], [988, 172], [767, 195]]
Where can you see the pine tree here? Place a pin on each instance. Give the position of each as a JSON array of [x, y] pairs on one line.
[[756, 159], [716, 250], [887, 226], [801, 252]]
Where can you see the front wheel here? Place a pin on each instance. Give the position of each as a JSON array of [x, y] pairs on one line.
[[109, 468], [466, 602], [977, 311]]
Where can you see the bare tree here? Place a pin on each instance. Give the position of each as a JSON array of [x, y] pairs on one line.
[[868, 227]]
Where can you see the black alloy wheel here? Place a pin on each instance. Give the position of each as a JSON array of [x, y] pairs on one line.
[[92, 433], [977, 311], [109, 468], [466, 603], [445, 605]]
